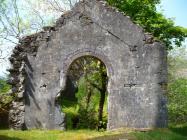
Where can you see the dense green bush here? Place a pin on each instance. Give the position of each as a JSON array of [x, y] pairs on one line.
[[177, 85], [70, 108], [177, 101], [4, 87], [90, 77], [81, 114], [5, 99], [87, 116], [87, 109]]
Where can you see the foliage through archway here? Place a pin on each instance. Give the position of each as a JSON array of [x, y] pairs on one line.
[[85, 99]]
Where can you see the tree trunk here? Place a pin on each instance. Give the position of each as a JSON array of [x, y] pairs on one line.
[[89, 94], [102, 93], [101, 105]]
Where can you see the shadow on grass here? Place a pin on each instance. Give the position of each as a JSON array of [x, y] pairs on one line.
[[4, 128], [8, 138], [180, 130], [114, 137]]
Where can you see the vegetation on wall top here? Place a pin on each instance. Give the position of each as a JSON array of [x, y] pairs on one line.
[[144, 12]]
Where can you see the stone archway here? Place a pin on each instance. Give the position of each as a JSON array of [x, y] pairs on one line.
[[71, 57], [80, 53], [83, 65], [136, 66]]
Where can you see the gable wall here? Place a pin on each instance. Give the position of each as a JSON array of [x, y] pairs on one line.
[[136, 67]]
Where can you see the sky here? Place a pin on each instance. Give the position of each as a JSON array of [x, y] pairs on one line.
[[176, 9]]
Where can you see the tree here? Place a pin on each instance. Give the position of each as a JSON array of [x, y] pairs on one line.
[[20, 18], [177, 101], [177, 63], [144, 12], [177, 85], [99, 81], [91, 76]]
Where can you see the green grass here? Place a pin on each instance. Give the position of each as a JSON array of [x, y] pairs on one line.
[[52, 135], [160, 134], [173, 133]]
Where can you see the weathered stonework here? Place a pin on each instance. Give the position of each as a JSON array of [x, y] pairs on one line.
[[136, 68]]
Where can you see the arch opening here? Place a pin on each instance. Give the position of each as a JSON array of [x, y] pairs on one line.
[[84, 98]]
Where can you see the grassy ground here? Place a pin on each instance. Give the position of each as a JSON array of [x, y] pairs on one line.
[[174, 133]]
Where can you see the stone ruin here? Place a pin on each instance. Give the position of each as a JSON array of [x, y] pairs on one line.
[[136, 67]]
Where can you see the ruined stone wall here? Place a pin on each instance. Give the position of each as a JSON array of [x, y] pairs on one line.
[[18, 60], [135, 62]]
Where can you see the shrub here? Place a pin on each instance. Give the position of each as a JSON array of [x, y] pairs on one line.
[[177, 100]]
